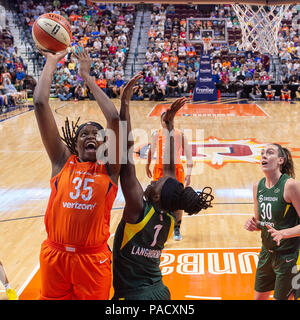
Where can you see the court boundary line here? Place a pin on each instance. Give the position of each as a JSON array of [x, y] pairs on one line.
[[29, 278], [148, 115], [17, 115], [261, 108]]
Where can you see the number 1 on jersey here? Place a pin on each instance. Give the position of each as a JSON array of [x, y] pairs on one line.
[[157, 228]]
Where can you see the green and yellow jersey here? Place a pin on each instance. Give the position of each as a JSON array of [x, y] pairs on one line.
[[137, 250], [275, 211]]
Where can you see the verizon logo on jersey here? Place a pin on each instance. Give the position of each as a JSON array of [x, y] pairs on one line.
[[79, 206]]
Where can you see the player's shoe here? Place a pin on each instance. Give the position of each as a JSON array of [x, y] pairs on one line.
[[11, 294], [177, 235]]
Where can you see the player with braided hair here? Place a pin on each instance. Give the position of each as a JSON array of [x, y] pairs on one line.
[[75, 260], [148, 221], [276, 215], [70, 135]]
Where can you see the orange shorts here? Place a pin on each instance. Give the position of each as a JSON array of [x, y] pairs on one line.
[[67, 275], [285, 96], [158, 173]]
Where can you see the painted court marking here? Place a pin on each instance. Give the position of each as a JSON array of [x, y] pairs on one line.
[[218, 109]]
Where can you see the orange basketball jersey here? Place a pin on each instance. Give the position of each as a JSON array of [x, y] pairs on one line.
[[78, 211], [160, 147]]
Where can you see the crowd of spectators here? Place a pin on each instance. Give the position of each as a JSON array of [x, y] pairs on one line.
[[172, 59], [13, 72], [104, 30]]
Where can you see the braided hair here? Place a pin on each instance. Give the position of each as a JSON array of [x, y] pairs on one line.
[[70, 135], [175, 197], [288, 163], [194, 201]]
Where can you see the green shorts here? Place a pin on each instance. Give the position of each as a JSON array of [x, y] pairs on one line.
[[276, 271], [157, 291]]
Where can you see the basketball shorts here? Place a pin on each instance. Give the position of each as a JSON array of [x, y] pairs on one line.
[[67, 275], [158, 173], [157, 291], [278, 272], [285, 96]]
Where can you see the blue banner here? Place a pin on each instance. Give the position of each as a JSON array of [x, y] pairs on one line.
[[205, 88]]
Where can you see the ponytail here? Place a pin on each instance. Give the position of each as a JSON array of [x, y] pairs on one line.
[[288, 164]]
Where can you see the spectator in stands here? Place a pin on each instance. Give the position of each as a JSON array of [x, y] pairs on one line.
[[119, 86], [20, 76], [217, 64], [109, 87], [72, 66], [5, 74], [173, 60], [298, 94], [269, 93], [164, 59], [216, 78], [224, 79], [138, 93], [173, 89], [284, 55], [264, 78], [149, 55], [119, 71], [156, 93], [256, 77], [11, 92], [190, 51], [109, 73], [226, 63], [3, 100], [285, 93], [182, 82], [248, 73], [120, 55], [294, 77], [181, 50], [102, 83], [255, 93], [162, 84], [191, 79], [149, 82], [64, 92], [79, 93]]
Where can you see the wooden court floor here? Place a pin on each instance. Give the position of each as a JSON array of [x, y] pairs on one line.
[[216, 258]]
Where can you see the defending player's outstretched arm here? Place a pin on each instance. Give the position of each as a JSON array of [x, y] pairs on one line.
[[131, 188], [169, 153]]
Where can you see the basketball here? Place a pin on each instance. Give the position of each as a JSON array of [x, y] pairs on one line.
[[51, 32]]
